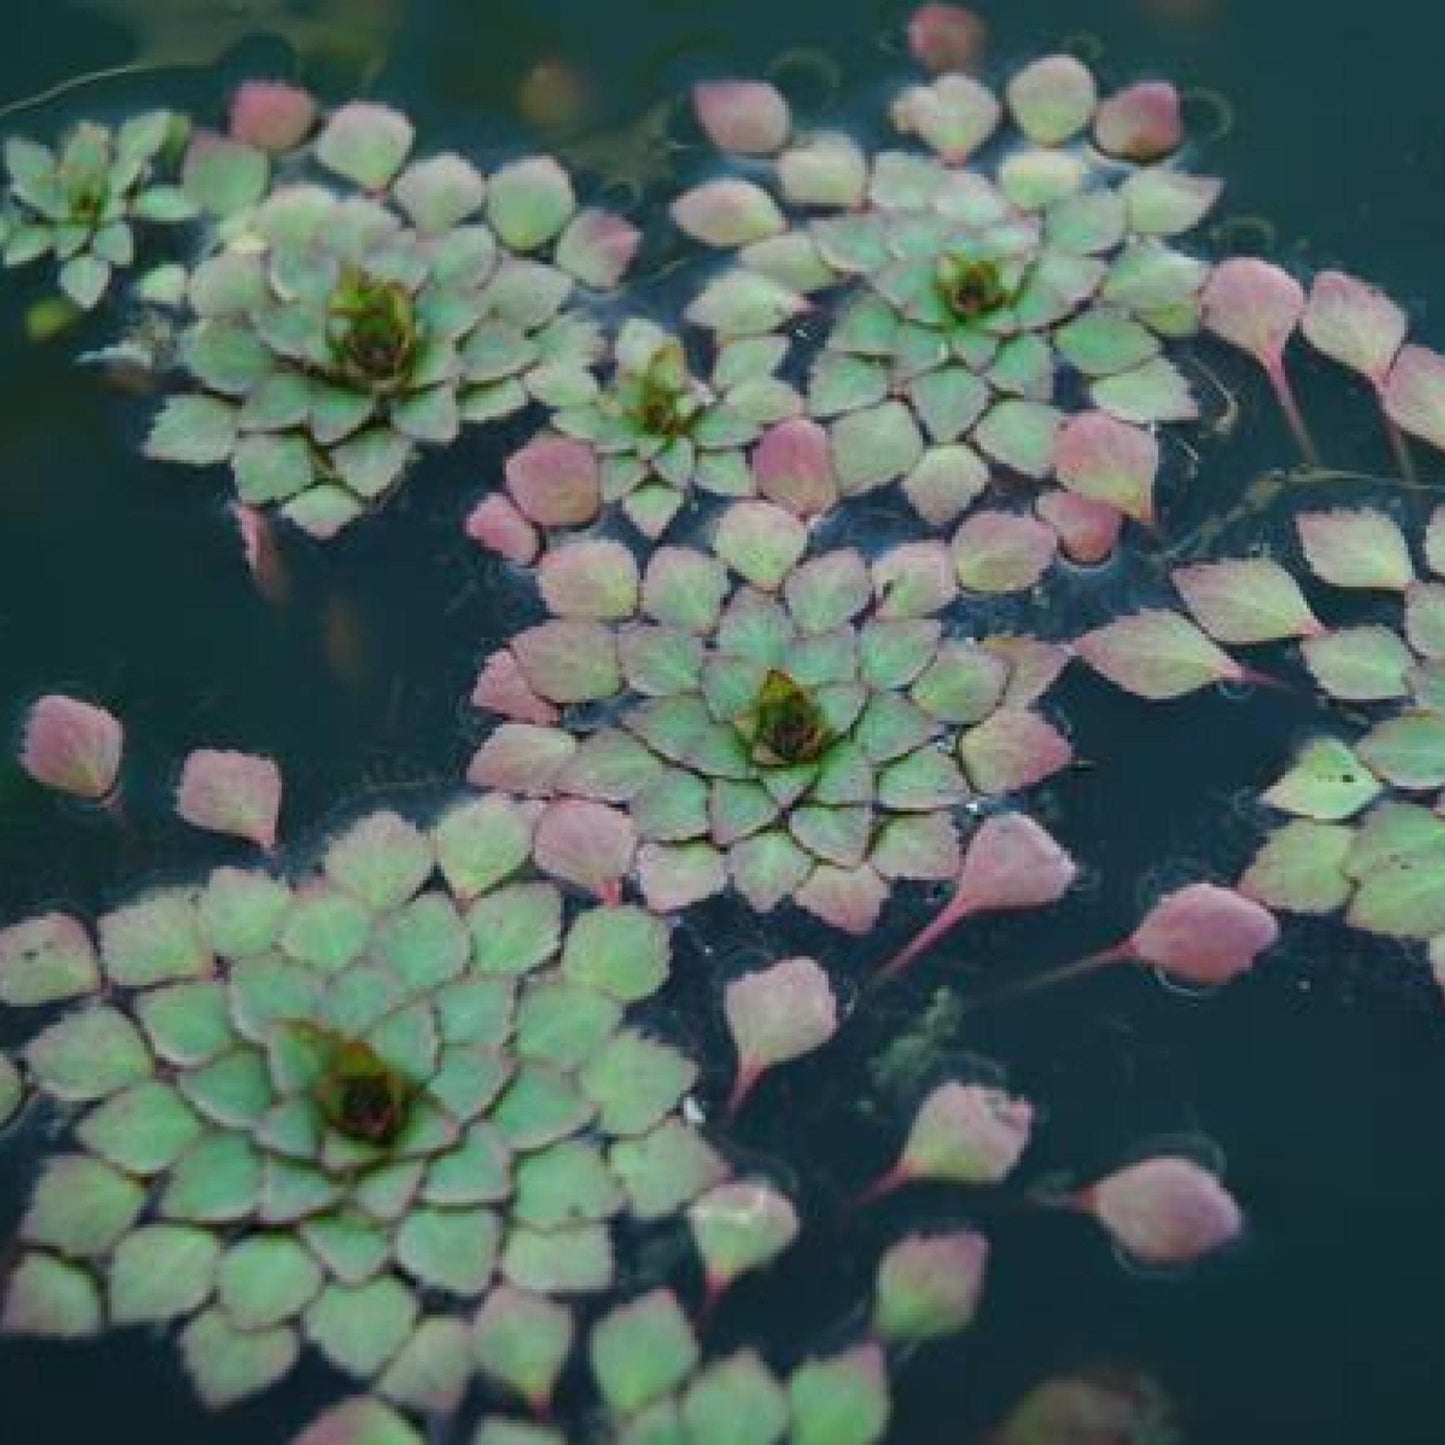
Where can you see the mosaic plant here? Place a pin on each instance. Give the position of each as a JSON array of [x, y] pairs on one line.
[[81, 204], [350, 304], [412, 1108], [796, 726], [353, 1113], [1005, 304]]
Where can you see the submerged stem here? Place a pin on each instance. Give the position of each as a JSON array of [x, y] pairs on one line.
[[1065, 973]]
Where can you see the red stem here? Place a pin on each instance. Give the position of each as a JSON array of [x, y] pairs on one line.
[[884, 1185], [1079, 968], [743, 1085], [1284, 392], [950, 916]]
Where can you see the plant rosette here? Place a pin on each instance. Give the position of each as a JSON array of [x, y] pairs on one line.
[[977, 303], [333, 333], [373, 1112], [82, 202], [658, 431], [799, 728]]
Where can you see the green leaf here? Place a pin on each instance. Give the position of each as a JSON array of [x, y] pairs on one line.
[[642, 1351]]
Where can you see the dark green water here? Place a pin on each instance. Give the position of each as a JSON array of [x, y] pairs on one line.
[[1319, 1077]]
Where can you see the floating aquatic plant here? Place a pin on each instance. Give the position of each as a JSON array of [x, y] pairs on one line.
[[333, 333], [73, 746], [970, 291], [83, 202], [1363, 836], [798, 727], [388, 1111], [657, 431]]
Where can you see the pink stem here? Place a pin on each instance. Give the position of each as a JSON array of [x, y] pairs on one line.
[[713, 1291], [1079, 968], [1289, 404], [886, 1183], [1401, 449], [1255, 678], [953, 913], [743, 1085]]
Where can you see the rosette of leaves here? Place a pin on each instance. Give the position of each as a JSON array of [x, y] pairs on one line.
[[82, 202], [335, 334], [659, 431], [362, 1112], [800, 727], [984, 302]]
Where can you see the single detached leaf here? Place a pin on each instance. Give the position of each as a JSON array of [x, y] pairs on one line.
[[777, 1015], [1355, 324], [929, 1285], [1363, 549], [1247, 601], [1203, 934], [1157, 655], [72, 746], [746, 117], [1415, 394], [229, 792], [1164, 1211], [967, 1134]]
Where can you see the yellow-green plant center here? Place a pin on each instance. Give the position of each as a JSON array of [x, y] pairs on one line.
[[372, 329], [362, 1097], [971, 287], [663, 406], [88, 203], [790, 727]]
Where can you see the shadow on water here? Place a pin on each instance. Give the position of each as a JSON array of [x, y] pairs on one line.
[[1318, 1076]]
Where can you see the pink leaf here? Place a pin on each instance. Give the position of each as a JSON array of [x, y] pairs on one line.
[[72, 746], [1010, 863], [746, 117], [1165, 1211], [946, 37], [793, 466], [502, 689], [1108, 461], [1088, 531], [1355, 324], [588, 844], [1141, 123], [271, 115], [555, 481], [728, 212], [775, 1016], [497, 525], [1157, 655], [263, 557], [1204, 934], [228, 792], [1253, 305]]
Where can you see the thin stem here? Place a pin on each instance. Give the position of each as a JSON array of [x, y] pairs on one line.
[[747, 1077], [1289, 404], [1401, 449], [884, 1185], [1079, 968], [75, 82], [951, 915]]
